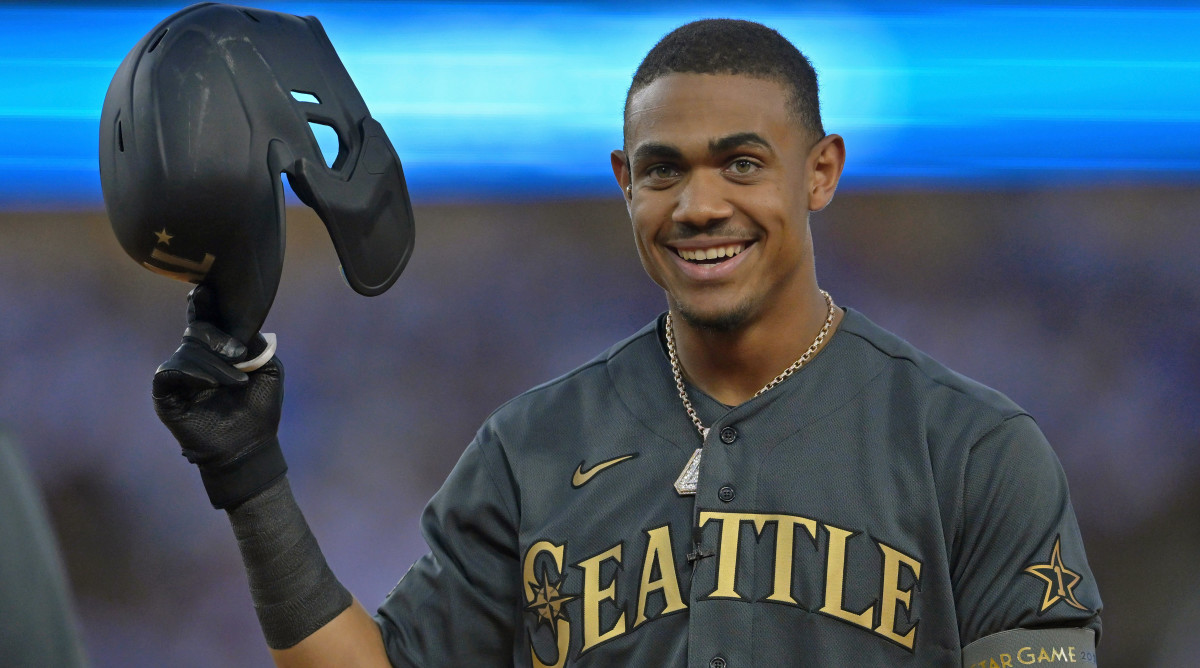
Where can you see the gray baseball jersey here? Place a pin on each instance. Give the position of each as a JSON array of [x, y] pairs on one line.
[[37, 622], [875, 509]]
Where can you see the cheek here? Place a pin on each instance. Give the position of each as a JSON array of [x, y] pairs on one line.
[[644, 234], [786, 205], [646, 220], [770, 199]]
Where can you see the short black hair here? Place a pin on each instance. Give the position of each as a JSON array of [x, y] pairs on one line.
[[732, 46]]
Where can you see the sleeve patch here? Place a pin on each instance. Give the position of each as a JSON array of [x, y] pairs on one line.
[[1029, 647], [1059, 580]]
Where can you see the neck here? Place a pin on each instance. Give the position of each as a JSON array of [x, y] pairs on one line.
[[732, 366]]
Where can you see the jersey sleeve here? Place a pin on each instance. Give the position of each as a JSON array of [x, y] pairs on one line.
[[1019, 560], [37, 623], [456, 604]]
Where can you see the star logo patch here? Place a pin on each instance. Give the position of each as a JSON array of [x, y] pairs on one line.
[[548, 601], [1060, 581]]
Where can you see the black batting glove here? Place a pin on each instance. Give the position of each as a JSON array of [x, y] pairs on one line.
[[225, 420]]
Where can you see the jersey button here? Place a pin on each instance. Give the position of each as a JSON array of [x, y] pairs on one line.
[[728, 435], [726, 494], [718, 662]]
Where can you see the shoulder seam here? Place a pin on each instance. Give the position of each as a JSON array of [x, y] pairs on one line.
[[600, 360], [1003, 415]]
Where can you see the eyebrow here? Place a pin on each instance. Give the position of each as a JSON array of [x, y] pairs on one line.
[[726, 144], [655, 151]]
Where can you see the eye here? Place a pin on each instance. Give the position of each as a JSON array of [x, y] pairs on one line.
[[661, 171], [662, 175], [743, 166]]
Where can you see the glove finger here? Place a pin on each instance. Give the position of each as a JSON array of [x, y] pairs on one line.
[[202, 305], [207, 335], [194, 367], [273, 368]]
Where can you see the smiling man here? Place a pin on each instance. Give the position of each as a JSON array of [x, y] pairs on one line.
[[721, 174], [756, 478]]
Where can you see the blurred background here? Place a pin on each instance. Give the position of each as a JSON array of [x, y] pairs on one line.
[[1020, 201]]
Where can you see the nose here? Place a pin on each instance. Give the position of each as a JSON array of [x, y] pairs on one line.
[[702, 201]]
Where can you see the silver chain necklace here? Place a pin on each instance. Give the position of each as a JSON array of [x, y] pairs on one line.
[[690, 476]]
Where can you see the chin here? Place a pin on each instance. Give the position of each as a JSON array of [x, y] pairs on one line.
[[717, 320]]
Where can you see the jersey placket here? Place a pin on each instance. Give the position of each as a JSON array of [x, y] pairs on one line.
[[722, 615]]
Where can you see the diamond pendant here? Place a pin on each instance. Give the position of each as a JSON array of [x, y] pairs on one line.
[[689, 477]]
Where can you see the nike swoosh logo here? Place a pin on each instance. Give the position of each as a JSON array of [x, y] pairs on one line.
[[581, 477]]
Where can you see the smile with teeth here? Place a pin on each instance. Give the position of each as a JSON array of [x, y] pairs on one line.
[[710, 255]]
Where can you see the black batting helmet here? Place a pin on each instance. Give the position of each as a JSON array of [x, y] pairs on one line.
[[199, 121]]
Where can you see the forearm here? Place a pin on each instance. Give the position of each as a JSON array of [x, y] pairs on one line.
[[351, 639], [226, 421], [307, 616]]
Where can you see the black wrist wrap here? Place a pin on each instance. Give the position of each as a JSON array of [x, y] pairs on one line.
[[233, 482], [294, 591]]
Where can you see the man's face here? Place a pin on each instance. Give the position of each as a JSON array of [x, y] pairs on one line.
[[719, 195]]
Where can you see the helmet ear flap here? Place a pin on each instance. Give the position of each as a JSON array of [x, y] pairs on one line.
[[369, 215]]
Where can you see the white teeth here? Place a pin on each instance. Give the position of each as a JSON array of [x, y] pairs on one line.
[[711, 253]]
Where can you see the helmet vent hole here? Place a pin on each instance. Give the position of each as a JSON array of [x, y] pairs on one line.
[[327, 143], [120, 138], [302, 96], [154, 44], [250, 16]]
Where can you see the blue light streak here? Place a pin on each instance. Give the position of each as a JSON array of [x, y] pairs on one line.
[[524, 100]]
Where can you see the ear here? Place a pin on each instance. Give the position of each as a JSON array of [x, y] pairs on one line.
[[621, 171], [825, 163]]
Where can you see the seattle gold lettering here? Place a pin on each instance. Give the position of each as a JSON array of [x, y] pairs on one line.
[[562, 628], [593, 595], [893, 595], [728, 556], [658, 550], [535, 550], [835, 580], [785, 536], [658, 575], [784, 550], [562, 638]]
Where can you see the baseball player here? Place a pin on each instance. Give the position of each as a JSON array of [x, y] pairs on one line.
[[758, 477]]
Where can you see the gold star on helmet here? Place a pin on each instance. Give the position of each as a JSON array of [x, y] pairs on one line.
[[548, 600], [163, 237], [1060, 581]]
